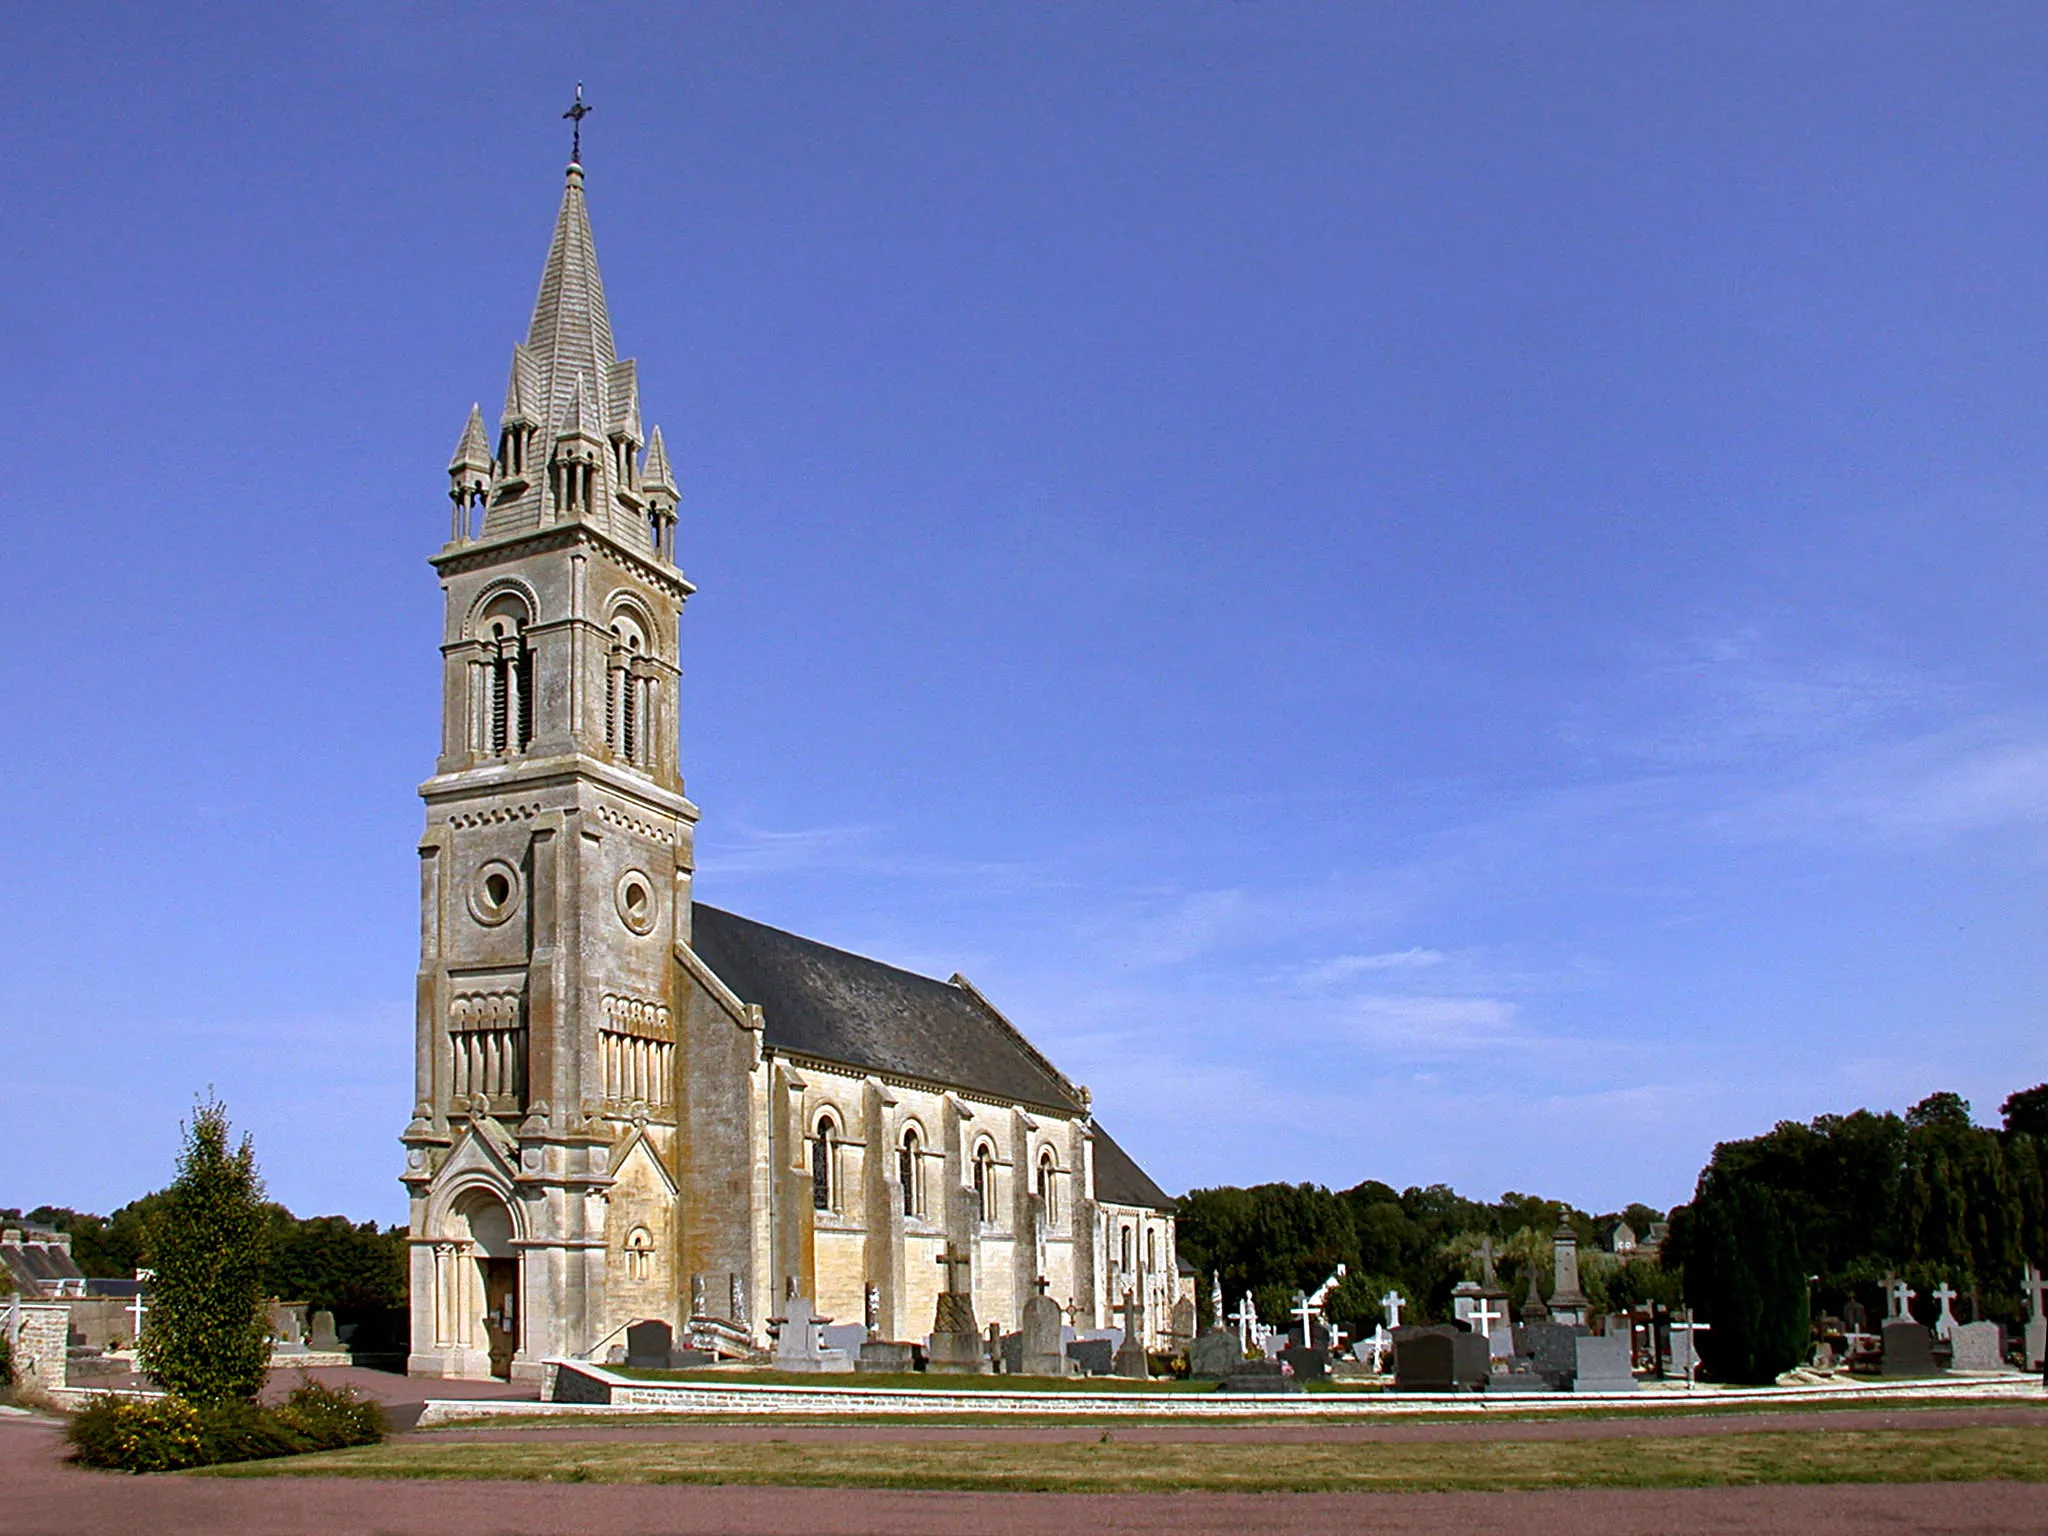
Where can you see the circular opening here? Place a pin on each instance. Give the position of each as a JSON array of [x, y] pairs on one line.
[[497, 888], [636, 899]]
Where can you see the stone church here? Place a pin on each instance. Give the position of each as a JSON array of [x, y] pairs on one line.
[[631, 1105]]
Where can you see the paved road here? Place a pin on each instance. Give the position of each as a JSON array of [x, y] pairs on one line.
[[40, 1495]]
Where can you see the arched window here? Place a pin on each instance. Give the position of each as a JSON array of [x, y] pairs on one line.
[[1126, 1264], [1048, 1186], [504, 721], [985, 1181], [910, 1170], [824, 1154], [1152, 1251], [639, 1254], [627, 692]]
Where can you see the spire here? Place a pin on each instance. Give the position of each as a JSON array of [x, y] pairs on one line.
[[571, 332], [473, 453], [656, 480]]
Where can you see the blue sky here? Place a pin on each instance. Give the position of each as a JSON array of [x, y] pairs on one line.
[[1430, 593]]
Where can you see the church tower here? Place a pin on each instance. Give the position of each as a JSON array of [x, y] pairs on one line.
[[555, 868]]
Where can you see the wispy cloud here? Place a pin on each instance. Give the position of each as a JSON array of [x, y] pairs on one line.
[[1345, 967]]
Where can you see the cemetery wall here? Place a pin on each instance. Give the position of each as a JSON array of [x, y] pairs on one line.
[[44, 1335]]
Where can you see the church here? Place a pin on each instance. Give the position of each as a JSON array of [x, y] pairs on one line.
[[630, 1105]]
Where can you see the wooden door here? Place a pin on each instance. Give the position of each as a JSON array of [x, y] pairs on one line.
[[501, 1313]]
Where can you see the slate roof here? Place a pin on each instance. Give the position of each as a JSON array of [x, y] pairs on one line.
[[1120, 1181], [840, 1007]]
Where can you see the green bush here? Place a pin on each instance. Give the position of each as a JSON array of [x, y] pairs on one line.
[[6, 1362], [166, 1434]]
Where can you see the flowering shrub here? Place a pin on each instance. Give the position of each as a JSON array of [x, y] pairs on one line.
[[167, 1433]]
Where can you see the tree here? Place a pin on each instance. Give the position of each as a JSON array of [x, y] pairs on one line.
[[2026, 1112], [1940, 1109], [207, 1338], [1743, 1278]]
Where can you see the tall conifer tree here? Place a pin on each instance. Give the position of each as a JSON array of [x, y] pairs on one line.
[[207, 1337]]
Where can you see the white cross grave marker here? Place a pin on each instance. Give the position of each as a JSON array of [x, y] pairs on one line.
[[1247, 1319], [1484, 1317], [1901, 1295], [1305, 1310], [1393, 1302], [136, 1308], [2036, 1288], [1945, 1325]]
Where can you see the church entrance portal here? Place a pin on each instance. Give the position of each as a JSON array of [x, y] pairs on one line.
[[501, 1313]]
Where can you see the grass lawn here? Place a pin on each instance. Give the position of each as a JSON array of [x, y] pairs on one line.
[[1819, 1455]]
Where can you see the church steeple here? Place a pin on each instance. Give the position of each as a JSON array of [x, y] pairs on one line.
[[568, 365]]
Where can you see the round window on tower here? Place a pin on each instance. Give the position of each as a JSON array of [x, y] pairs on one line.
[[636, 901], [494, 893]]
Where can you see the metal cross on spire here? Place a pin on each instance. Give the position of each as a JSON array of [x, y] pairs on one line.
[[575, 115]]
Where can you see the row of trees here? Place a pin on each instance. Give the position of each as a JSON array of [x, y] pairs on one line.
[[1805, 1216], [1275, 1239], [1811, 1215]]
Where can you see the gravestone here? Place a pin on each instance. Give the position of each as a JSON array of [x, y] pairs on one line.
[[1553, 1351], [1307, 1364], [1039, 1353], [1855, 1319], [846, 1336], [322, 1340], [800, 1344], [880, 1355], [287, 1328], [1130, 1355], [1567, 1301], [1979, 1347], [1908, 1349], [2036, 1336], [649, 1344], [1425, 1360], [1010, 1354], [1095, 1357], [1517, 1380], [1214, 1355], [1685, 1355], [1264, 1376], [1602, 1364], [956, 1344]]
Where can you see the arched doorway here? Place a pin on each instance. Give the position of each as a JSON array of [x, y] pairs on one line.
[[497, 1261]]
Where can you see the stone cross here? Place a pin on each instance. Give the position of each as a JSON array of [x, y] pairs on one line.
[[1484, 1317], [1215, 1300], [956, 1264], [136, 1308], [1898, 1298], [1393, 1302], [2036, 1288], [1486, 1262], [1945, 1325], [1305, 1310], [1247, 1319], [1133, 1328]]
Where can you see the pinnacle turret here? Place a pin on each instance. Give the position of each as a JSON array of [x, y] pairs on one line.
[[473, 452]]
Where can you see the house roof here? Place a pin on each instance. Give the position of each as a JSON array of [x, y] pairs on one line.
[[840, 1007], [1120, 1181]]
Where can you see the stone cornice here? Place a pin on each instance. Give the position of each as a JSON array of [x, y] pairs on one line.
[[460, 559]]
